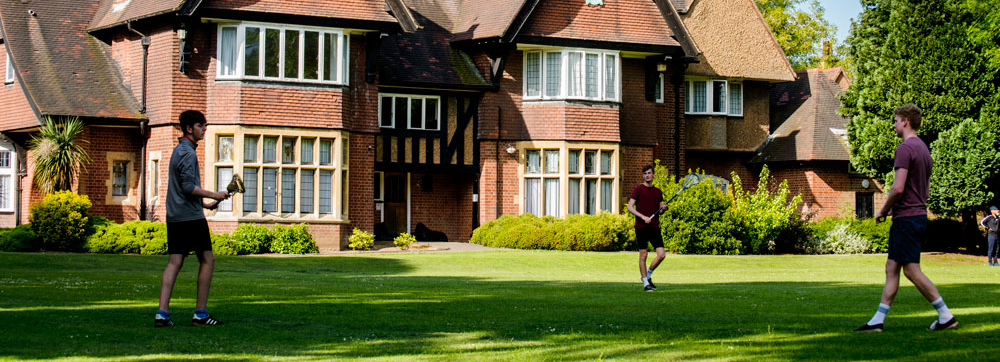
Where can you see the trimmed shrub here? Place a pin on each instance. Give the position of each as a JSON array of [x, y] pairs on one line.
[[761, 218], [222, 244], [60, 221], [601, 232], [875, 234], [695, 221], [132, 237], [360, 239], [251, 239], [404, 240], [19, 238], [294, 239]]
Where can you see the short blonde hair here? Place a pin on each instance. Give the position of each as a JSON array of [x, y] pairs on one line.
[[912, 113]]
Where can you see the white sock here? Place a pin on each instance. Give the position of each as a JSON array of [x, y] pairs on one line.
[[645, 281], [879, 316], [649, 273], [944, 314]]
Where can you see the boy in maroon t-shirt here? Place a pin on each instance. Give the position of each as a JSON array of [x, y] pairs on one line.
[[646, 199], [907, 201]]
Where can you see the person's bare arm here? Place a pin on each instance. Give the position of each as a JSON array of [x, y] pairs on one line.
[[218, 196], [895, 192]]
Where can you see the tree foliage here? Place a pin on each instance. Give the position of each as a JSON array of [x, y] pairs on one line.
[[57, 154], [799, 32], [941, 56]]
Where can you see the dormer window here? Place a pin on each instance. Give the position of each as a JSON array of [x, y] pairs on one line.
[[560, 74], [9, 78], [282, 53]]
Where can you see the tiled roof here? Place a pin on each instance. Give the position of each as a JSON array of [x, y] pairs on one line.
[[65, 71], [110, 14], [481, 19], [810, 128], [426, 57]]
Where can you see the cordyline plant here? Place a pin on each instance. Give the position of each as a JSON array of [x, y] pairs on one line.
[[57, 154]]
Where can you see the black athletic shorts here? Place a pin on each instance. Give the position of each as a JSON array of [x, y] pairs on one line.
[[646, 236], [187, 236], [905, 237]]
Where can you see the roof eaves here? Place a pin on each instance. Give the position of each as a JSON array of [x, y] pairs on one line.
[[17, 74], [677, 27], [124, 21], [515, 24], [403, 15]]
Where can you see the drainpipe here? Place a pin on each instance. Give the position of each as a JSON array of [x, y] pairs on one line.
[[144, 124], [499, 183], [678, 111]]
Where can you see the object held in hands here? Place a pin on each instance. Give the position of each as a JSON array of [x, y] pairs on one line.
[[236, 185], [690, 180]]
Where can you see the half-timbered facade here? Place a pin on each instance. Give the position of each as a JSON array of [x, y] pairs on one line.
[[382, 115]]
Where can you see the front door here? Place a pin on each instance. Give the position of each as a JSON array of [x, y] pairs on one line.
[[395, 203]]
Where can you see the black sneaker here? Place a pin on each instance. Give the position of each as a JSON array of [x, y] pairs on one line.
[[650, 280], [869, 328], [161, 322], [207, 321], [649, 288], [937, 326]]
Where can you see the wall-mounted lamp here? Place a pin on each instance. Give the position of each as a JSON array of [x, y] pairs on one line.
[[510, 148], [865, 183], [32, 12], [661, 67], [182, 33]]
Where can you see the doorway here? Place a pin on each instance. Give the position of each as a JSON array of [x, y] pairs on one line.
[[395, 203]]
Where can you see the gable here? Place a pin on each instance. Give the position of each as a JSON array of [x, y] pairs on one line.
[[620, 21], [735, 42]]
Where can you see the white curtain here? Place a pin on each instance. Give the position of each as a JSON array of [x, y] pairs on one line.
[[552, 196], [575, 73], [610, 77], [227, 51], [532, 199], [574, 196]]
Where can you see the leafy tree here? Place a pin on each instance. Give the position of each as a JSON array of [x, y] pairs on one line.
[[799, 32], [943, 56], [57, 154]]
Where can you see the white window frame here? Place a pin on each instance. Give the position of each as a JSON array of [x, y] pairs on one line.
[[337, 167], [565, 71], [710, 97], [9, 171], [564, 175], [409, 110], [660, 90], [343, 46], [9, 73]]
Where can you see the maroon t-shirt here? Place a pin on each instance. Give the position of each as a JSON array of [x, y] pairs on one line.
[[914, 156], [647, 200]]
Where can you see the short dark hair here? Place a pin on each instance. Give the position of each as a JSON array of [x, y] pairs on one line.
[[647, 167], [190, 118], [912, 113]]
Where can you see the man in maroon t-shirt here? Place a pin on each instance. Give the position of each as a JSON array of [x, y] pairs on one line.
[[907, 202], [646, 199]]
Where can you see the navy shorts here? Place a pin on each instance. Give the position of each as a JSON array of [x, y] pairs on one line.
[[184, 237], [646, 236], [905, 238]]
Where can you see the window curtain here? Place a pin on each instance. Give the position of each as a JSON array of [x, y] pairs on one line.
[[227, 51], [552, 197], [532, 199], [606, 195], [574, 196], [610, 77], [575, 75], [700, 98]]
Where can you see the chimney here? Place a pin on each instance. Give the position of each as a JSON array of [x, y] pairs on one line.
[[827, 53]]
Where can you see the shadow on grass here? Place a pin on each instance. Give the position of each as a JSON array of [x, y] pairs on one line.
[[325, 308]]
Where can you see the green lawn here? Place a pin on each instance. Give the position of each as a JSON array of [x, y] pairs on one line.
[[503, 305]]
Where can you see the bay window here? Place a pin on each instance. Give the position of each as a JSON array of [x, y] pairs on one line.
[[287, 173], [282, 53], [571, 74], [560, 178], [713, 97]]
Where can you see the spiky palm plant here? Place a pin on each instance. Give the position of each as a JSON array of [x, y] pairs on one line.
[[57, 154]]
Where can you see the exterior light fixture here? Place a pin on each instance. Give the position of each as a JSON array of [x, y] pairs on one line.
[[510, 149]]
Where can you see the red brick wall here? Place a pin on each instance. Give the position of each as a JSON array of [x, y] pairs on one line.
[[827, 189], [447, 208], [722, 164], [93, 179], [617, 20], [488, 190], [633, 159]]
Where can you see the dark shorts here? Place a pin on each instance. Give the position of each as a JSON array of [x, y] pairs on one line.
[[646, 236], [187, 236], [905, 237]]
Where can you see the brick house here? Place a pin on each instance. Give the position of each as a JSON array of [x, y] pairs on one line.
[[809, 147], [391, 113]]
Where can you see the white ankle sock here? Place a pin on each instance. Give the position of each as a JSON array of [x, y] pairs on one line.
[[879, 316], [645, 281], [944, 314]]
